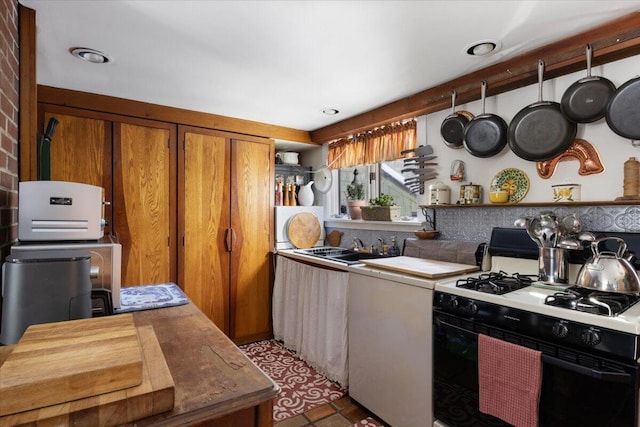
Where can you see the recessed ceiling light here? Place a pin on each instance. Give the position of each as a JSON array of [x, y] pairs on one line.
[[483, 48], [330, 111], [90, 55]]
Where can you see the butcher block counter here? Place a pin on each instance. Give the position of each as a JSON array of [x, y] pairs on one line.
[[215, 383]]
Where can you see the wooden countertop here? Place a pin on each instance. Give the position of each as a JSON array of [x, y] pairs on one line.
[[213, 378]]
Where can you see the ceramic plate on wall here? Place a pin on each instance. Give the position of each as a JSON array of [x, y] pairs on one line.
[[513, 180]]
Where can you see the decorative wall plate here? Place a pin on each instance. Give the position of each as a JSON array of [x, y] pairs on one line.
[[513, 180]]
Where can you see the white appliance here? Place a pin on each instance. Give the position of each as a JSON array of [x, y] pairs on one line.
[[284, 214], [390, 364], [60, 210]]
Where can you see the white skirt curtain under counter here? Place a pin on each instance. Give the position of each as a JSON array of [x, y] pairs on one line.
[[310, 316]]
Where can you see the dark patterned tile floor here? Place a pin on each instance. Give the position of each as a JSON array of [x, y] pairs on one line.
[[343, 412]]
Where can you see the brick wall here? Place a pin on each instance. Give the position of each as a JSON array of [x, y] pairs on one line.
[[9, 90]]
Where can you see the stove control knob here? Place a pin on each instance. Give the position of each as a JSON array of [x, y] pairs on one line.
[[590, 337], [560, 330], [472, 308], [453, 303]]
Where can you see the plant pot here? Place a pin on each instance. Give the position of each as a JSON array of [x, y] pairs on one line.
[[354, 208], [380, 213]]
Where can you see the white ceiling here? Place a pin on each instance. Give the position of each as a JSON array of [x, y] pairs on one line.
[[282, 62]]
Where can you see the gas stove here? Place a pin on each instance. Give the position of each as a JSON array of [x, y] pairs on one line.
[[588, 342], [510, 297], [601, 303], [497, 283]]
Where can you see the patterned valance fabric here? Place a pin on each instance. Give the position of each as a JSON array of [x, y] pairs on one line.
[[380, 144]]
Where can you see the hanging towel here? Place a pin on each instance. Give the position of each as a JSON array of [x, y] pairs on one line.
[[510, 378]]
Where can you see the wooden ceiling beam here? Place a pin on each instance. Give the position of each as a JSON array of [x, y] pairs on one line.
[[612, 41]]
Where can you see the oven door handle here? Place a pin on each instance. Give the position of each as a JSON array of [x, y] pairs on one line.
[[614, 377], [610, 376]]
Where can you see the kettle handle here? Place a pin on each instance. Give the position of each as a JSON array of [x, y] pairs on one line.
[[622, 248]]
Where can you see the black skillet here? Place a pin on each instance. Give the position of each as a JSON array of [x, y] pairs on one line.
[[452, 128], [586, 100], [485, 135], [623, 110], [540, 131]]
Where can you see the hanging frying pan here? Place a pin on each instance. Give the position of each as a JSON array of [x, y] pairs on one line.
[[485, 135], [586, 100], [540, 131], [623, 110], [452, 128]]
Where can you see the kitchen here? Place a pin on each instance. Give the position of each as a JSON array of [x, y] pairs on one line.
[[539, 193]]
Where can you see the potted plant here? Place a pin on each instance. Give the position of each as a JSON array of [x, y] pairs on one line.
[[355, 195], [382, 208]]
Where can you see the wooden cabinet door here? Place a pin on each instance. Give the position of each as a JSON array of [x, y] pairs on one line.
[[204, 222], [144, 201], [80, 151], [252, 194]]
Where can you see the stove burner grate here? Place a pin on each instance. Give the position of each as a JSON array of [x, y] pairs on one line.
[[586, 300], [497, 283]]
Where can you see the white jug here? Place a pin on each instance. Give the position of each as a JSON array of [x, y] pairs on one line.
[[305, 195]]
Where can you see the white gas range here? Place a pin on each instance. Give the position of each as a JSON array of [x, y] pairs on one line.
[[589, 359]]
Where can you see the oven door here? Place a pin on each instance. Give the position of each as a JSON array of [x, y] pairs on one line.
[[573, 393]]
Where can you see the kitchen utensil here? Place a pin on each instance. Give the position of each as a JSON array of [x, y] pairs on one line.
[[452, 128], [553, 265], [579, 150], [586, 236], [522, 222], [586, 100], [499, 196], [287, 157], [419, 159], [420, 170], [485, 135], [623, 110], [323, 179], [540, 131], [609, 271], [569, 243], [570, 224], [420, 178], [419, 151], [63, 361], [534, 230], [157, 386], [304, 230]]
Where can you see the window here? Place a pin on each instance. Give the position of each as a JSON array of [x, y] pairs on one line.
[[383, 177]]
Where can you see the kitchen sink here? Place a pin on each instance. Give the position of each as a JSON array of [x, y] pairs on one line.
[[345, 256]]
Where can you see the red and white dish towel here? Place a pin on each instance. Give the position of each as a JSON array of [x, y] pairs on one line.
[[510, 378]]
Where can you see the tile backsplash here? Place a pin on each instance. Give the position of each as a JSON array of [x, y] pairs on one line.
[[475, 224]]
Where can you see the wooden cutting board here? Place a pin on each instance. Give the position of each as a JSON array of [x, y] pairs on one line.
[[154, 395], [430, 269], [304, 230], [64, 361]]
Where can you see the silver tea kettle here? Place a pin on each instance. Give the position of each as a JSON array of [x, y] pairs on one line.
[[609, 271]]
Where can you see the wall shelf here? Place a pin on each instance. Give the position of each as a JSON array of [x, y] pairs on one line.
[[537, 204]]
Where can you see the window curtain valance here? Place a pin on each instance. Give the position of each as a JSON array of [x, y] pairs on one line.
[[373, 146]]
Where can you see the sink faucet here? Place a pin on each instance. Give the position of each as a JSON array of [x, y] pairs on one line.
[[357, 243]]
